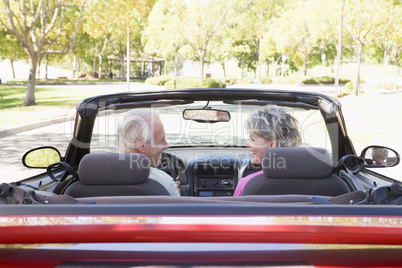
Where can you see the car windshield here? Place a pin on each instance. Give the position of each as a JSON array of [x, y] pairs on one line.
[[182, 132]]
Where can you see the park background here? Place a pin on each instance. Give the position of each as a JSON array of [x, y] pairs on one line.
[[261, 43]]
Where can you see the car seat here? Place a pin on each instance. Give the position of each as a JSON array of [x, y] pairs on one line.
[[296, 170], [114, 174]]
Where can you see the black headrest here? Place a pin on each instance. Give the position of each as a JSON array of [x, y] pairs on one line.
[[113, 169], [297, 163]]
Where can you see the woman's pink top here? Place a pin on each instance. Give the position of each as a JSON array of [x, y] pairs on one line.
[[243, 182]]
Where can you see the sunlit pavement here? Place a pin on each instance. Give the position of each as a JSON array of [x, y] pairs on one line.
[[369, 111]]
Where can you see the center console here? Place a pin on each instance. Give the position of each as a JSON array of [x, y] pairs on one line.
[[215, 179]]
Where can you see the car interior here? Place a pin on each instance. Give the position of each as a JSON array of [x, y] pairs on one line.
[[207, 152]]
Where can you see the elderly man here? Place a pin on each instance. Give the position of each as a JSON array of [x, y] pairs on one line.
[[142, 132]]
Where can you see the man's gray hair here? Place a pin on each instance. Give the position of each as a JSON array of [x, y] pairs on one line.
[[136, 124], [274, 122]]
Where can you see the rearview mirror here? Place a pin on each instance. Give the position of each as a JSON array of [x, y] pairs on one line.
[[41, 157], [379, 156], [206, 115]]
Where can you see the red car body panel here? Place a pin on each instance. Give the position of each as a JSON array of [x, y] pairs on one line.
[[225, 229], [325, 241]]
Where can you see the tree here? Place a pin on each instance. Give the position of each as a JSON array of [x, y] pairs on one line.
[[297, 35], [159, 39], [108, 22], [367, 22], [40, 24], [10, 49], [391, 45], [82, 53], [196, 25], [246, 51], [223, 52], [251, 43]]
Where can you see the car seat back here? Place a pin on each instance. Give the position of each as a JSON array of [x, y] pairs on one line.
[[114, 174], [296, 170]]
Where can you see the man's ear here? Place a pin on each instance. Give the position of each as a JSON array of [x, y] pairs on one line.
[[140, 145]]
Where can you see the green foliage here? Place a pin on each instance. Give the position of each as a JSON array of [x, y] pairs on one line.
[[190, 82], [289, 80], [390, 86], [374, 54], [330, 55], [12, 96], [158, 81], [246, 50], [244, 81], [190, 29], [266, 80], [347, 90], [231, 81], [10, 47], [51, 102], [323, 80]]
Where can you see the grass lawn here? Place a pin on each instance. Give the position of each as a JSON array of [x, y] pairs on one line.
[[69, 81], [50, 102]]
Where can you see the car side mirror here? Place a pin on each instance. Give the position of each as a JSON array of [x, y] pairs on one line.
[[41, 157], [380, 156]]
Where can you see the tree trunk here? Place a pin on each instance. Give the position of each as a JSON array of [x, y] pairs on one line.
[[30, 95], [386, 63], [78, 66], [338, 46], [12, 67], [397, 54], [39, 63], [175, 68], [224, 69], [75, 66], [123, 73], [359, 55], [100, 55], [202, 62], [100, 66], [46, 66], [305, 64], [243, 75]]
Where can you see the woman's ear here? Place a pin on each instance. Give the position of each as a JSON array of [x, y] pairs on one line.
[[140, 145], [274, 143]]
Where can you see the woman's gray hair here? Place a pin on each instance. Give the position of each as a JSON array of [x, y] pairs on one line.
[[274, 122], [380, 153], [135, 124]]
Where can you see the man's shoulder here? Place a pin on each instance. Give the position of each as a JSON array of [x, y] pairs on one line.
[[157, 173]]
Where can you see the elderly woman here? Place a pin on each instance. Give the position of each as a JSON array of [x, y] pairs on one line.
[[268, 128]]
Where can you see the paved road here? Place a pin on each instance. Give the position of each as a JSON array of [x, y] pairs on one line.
[[370, 113], [48, 133], [12, 148]]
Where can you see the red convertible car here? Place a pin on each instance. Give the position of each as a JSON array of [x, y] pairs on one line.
[[96, 207]]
